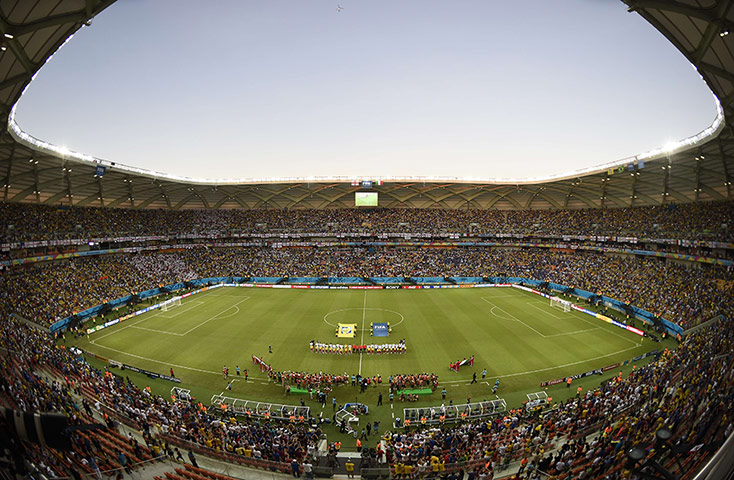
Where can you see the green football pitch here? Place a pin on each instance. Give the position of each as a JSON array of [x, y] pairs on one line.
[[514, 334]]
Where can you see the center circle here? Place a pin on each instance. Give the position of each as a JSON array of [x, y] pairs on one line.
[[402, 318]]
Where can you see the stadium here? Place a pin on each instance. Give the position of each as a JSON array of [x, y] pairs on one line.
[[571, 326]]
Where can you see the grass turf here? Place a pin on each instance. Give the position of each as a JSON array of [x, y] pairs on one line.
[[515, 335]]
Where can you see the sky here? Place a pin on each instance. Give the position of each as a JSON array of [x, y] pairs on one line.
[[284, 88]]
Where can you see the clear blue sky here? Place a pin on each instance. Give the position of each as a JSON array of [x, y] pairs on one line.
[[418, 87]]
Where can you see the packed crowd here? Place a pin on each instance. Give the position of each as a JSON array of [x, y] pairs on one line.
[[118, 397], [681, 293], [700, 220], [25, 386], [52, 291], [689, 391]]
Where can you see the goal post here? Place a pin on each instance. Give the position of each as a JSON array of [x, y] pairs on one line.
[[172, 303], [558, 303]]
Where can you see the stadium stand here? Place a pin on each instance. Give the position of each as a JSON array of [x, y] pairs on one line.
[[691, 221], [684, 215], [39, 291], [687, 390]]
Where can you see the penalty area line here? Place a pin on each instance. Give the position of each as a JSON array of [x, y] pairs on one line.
[[511, 316], [543, 310]]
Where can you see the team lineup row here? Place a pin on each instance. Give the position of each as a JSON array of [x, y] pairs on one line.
[[342, 349]]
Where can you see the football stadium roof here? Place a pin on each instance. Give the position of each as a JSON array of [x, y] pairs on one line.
[[697, 168]]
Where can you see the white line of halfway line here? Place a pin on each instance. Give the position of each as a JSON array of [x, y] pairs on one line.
[[364, 313]]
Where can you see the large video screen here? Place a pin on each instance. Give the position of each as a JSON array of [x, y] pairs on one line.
[[365, 199]]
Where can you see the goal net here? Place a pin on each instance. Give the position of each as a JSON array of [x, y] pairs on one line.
[[558, 303], [172, 303]]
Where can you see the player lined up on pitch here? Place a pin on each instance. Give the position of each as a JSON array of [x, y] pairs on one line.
[[339, 349]]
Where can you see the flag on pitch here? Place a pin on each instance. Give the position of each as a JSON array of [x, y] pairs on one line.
[[346, 330], [467, 361]]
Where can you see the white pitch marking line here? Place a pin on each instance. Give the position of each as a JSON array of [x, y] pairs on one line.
[[117, 331], [191, 304], [550, 368], [544, 311], [402, 318], [157, 331], [158, 361], [226, 295], [614, 333], [513, 317], [364, 314], [134, 325], [573, 333], [491, 311], [94, 342], [145, 317], [217, 316]]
